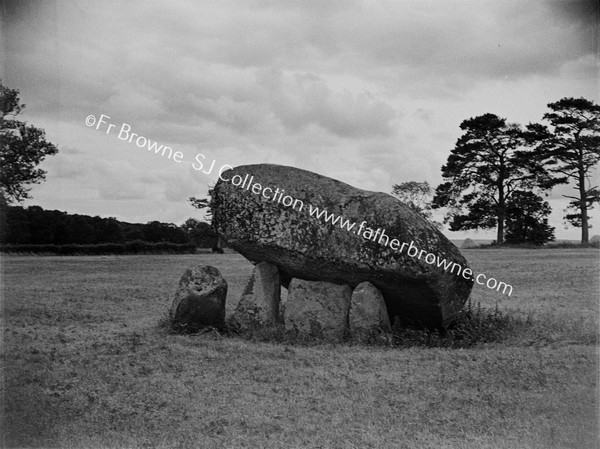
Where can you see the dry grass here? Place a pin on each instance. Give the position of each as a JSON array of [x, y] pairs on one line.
[[86, 364], [560, 285]]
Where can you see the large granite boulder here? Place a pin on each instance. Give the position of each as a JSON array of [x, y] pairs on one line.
[[199, 300], [259, 304], [268, 213], [318, 309]]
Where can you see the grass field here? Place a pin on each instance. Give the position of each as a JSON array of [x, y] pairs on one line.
[[87, 364]]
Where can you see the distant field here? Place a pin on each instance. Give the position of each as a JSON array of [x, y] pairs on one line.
[[86, 364]]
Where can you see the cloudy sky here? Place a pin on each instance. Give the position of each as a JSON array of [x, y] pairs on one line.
[[368, 92]]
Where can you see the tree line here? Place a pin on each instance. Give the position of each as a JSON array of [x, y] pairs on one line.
[[36, 226], [497, 171]]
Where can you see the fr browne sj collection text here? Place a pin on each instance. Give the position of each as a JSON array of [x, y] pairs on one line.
[[126, 134]]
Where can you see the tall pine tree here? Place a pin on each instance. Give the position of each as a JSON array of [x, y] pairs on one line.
[[573, 149], [489, 163]]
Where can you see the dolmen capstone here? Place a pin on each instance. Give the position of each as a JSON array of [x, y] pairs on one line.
[[316, 228], [199, 301]]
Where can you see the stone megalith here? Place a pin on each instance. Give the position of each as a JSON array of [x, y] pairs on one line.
[[199, 300], [317, 228], [318, 309], [259, 304], [368, 315]]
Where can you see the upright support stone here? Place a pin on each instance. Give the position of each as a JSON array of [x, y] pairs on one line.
[[317, 308], [199, 300], [259, 304], [368, 315]]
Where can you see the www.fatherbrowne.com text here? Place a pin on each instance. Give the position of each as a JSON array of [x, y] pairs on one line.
[[379, 235]]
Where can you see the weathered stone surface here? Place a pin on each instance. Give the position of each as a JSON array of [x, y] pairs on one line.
[[283, 303], [368, 315], [259, 304], [199, 300], [318, 309], [257, 223]]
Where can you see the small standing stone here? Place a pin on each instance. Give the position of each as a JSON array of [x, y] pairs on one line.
[[259, 304], [318, 308], [368, 315], [199, 300]]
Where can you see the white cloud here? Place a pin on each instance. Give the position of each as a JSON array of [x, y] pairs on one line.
[[302, 99]]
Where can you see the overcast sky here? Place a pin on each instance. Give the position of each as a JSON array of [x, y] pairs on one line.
[[369, 92]]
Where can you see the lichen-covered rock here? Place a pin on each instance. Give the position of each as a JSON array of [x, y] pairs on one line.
[[268, 213], [317, 309], [199, 300], [368, 315], [259, 304]]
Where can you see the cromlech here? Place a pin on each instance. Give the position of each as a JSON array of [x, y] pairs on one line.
[[315, 228]]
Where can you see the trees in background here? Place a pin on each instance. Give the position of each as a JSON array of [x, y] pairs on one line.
[[22, 148], [36, 226], [527, 219], [496, 169], [572, 148], [202, 204], [155, 231], [488, 165], [417, 196], [206, 205], [200, 233]]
